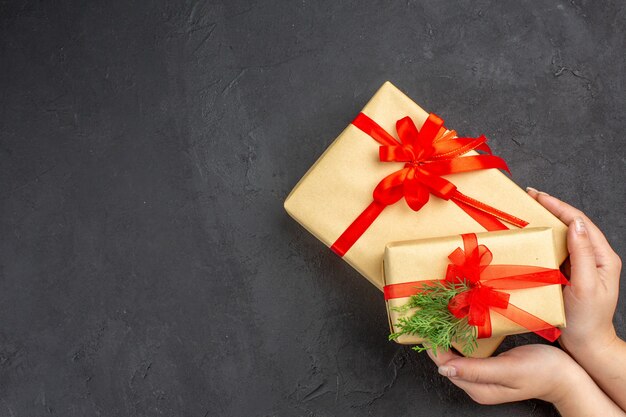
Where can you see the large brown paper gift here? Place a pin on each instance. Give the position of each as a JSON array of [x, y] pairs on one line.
[[339, 186], [427, 259]]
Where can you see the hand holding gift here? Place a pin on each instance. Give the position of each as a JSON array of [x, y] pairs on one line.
[[375, 185], [532, 371], [545, 372], [591, 300]]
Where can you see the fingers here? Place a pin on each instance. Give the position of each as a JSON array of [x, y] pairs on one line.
[[494, 370], [488, 394], [459, 368], [584, 274], [567, 214], [442, 356], [449, 364]]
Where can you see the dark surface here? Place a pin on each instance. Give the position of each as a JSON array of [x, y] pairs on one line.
[[147, 265]]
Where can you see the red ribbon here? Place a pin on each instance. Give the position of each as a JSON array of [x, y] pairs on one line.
[[473, 265], [427, 155]]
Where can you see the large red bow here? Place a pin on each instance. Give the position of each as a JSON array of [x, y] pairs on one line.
[[473, 266], [427, 155]]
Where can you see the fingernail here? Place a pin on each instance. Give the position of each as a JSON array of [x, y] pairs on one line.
[[534, 190], [447, 370], [579, 225]]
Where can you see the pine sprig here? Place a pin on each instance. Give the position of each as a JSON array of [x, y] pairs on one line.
[[432, 320]]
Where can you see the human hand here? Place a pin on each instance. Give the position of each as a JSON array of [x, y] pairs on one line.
[[591, 298], [532, 371]]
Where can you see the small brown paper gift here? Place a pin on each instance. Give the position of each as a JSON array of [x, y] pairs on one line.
[[427, 259]]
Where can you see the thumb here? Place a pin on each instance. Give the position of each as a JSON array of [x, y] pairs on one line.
[[494, 370], [582, 257]]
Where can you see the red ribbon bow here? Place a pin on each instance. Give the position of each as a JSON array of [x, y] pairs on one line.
[[467, 266], [473, 265], [427, 155]]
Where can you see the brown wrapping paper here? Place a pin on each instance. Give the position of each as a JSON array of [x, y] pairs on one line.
[[424, 259], [339, 186]]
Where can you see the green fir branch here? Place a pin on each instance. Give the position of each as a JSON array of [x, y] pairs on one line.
[[434, 322]]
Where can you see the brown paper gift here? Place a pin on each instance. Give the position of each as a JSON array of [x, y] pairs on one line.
[[338, 187], [427, 259]]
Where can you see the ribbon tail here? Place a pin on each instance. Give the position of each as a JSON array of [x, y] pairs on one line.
[[466, 164], [415, 194], [452, 148], [529, 321], [490, 216], [486, 220], [484, 331], [515, 277], [550, 335], [357, 228]]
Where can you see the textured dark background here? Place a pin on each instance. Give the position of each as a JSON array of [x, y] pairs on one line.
[[147, 265]]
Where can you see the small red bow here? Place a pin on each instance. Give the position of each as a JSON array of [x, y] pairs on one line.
[[467, 266]]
